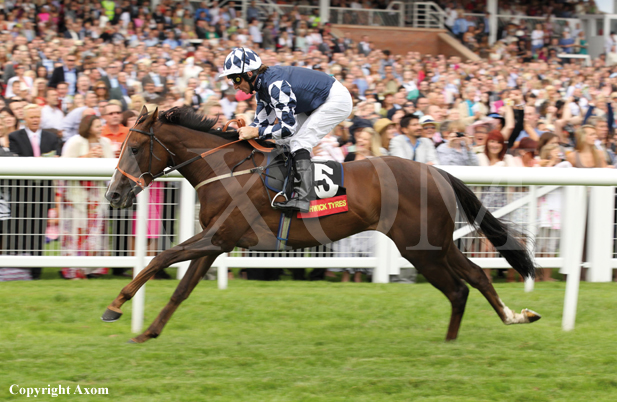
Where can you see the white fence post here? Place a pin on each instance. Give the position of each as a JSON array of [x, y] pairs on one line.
[[532, 211], [600, 234], [221, 271], [137, 320], [384, 258], [573, 226], [187, 220]]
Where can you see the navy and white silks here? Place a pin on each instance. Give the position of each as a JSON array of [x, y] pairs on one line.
[[298, 106]]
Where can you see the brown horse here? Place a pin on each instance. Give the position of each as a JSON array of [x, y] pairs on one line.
[[412, 203]]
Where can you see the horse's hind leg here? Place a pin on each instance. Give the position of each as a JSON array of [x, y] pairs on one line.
[[435, 269], [474, 275], [196, 271]]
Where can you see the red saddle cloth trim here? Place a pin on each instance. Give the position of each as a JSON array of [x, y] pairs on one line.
[[328, 206]]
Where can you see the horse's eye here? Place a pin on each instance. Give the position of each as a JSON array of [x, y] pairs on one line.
[[134, 150]]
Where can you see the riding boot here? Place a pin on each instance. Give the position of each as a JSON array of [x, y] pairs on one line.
[[302, 186]]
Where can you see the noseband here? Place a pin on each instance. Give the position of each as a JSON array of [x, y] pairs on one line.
[[140, 181]]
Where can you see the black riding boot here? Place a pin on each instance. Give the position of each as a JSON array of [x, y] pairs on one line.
[[302, 186]]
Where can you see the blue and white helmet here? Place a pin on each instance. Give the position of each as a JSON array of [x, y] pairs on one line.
[[240, 60]]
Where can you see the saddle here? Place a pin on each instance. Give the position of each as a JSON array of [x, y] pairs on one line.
[[328, 195], [327, 179]]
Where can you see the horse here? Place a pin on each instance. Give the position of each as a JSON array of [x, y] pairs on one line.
[[412, 203]]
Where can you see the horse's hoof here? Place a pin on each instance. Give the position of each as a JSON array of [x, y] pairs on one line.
[[531, 315], [132, 340], [111, 316]]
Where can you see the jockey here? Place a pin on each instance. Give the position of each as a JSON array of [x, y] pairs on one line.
[[295, 106]]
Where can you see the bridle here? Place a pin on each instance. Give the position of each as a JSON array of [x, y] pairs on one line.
[[141, 181]]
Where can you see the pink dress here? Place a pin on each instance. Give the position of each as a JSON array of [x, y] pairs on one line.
[[155, 211]]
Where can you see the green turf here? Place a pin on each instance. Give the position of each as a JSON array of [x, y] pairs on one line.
[[307, 341]]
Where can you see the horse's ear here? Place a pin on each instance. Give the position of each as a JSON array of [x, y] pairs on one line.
[[149, 118], [144, 111]]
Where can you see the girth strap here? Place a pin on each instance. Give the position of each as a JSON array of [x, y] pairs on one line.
[[225, 176]]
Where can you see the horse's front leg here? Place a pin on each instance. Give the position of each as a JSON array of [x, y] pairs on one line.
[[193, 248], [196, 271]]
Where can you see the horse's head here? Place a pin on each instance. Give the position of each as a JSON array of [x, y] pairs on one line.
[[142, 157]]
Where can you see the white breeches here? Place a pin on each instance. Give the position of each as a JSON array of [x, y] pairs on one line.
[[311, 129]]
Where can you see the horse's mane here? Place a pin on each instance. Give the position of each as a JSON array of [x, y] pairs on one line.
[[185, 116]]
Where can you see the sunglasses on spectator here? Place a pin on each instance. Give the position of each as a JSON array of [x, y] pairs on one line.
[[101, 88], [73, 60]]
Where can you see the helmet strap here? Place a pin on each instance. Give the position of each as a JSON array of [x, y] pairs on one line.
[[250, 80]]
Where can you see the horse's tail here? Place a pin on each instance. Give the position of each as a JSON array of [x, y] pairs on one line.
[[502, 236]]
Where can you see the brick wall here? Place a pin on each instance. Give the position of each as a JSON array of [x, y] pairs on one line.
[[403, 40]]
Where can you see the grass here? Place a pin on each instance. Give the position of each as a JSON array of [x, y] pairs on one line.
[[307, 341]]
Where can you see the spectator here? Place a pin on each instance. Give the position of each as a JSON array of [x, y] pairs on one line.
[[386, 130], [549, 206], [429, 128], [526, 153], [101, 91], [83, 208], [368, 144], [566, 43], [252, 12], [137, 102], [494, 197], [32, 219], [364, 47], [411, 145], [66, 73], [113, 130], [255, 33], [458, 149], [19, 78], [8, 123], [70, 125], [129, 118], [51, 115], [586, 155]]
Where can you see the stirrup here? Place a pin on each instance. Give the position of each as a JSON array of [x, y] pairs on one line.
[[282, 192], [283, 207]]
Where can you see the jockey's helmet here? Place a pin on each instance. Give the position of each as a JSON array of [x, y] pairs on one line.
[[239, 61]]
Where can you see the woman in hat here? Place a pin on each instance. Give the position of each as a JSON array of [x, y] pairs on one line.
[[386, 129]]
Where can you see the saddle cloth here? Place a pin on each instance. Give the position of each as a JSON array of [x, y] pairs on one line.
[[328, 195]]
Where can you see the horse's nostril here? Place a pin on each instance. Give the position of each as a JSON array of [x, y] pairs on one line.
[[114, 196]]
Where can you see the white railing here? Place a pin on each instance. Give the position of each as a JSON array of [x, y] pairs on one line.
[[386, 259], [369, 17], [558, 23], [427, 15], [394, 15]]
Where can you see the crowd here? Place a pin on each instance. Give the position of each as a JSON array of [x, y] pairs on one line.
[[531, 31], [76, 74]]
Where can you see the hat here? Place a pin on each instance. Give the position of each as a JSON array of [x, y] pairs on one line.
[[360, 123], [498, 117], [428, 119], [382, 124]]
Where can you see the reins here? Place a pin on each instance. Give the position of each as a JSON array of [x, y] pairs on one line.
[[141, 182]]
